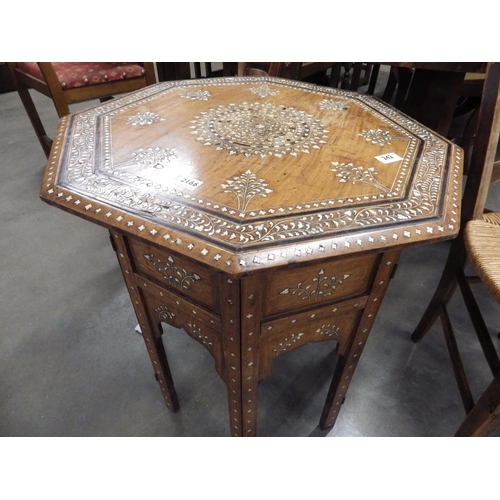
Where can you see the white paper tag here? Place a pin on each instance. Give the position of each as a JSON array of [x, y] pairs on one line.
[[388, 158], [188, 182]]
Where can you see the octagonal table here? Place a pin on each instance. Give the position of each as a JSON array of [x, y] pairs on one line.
[[258, 214]]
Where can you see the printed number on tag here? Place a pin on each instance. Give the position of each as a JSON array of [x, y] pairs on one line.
[[188, 182], [388, 158]]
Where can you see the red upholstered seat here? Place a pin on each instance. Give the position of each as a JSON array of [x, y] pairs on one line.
[[79, 74], [74, 82]]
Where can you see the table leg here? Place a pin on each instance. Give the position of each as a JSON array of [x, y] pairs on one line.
[[250, 332], [151, 333], [230, 300], [347, 363]]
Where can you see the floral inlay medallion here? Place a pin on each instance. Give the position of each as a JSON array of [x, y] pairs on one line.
[[259, 129]]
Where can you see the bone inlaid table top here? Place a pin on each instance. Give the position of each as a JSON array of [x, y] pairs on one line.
[[257, 214]]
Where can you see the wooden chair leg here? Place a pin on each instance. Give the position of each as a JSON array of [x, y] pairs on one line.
[[390, 86], [373, 79], [457, 258], [456, 361], [335, 76], [484, 418], [405, 76], [480, 327], [468, 137], [441, 297], [197, 70], [356, 76], [36, 122]]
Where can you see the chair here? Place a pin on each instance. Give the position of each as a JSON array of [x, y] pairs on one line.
[[482, 241], [356, 75], [69, 82], [259, 69], [309, 71], [346, 75], [469, 245], [314, 72], [484, 418], [470, 132]]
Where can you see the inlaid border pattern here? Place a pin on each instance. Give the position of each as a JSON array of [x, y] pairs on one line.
[[53, 190]]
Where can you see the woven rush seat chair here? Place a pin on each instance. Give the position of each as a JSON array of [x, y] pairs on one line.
[[478, 242], [73, 82], [482, 241]]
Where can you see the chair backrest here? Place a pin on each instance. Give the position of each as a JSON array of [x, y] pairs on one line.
[[43, 77], [69, 83], [485, 147], [260, 69]]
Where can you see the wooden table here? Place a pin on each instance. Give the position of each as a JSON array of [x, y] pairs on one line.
[[433, 91], [257, 214]]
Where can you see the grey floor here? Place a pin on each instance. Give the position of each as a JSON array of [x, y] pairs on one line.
[[71, 363]]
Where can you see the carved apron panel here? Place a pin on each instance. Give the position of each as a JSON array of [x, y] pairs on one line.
[[335, 322], [205, 328]]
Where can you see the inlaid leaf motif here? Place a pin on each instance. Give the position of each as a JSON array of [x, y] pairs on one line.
[[329, 331], [245, 187], [287, 343], [348, 172], [179, 278], [321, 286], [164, 313]]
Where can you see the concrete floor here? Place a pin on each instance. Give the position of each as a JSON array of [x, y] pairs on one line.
[[71, 363]]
